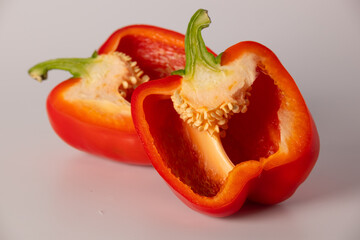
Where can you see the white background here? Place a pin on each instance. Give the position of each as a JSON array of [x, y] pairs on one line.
[[49, 190]]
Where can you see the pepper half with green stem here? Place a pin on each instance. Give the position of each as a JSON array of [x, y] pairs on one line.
[[91, 111], [226, 128]]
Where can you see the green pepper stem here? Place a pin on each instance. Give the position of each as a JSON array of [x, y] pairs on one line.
[[76, 66], [195, 49]]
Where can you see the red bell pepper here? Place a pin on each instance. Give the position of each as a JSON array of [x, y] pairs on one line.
[[91, 111], [230, 128]]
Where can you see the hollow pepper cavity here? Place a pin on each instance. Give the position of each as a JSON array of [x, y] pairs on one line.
[[91, 111], [226, 128]]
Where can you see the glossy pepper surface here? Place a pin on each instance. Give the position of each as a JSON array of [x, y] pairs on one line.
[[91, 111], [227, 128]]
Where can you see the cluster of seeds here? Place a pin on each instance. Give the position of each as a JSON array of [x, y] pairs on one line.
[[213, 121], [135, 78]]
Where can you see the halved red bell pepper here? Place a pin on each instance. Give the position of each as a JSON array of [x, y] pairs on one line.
[[91, 111], [227, 128]]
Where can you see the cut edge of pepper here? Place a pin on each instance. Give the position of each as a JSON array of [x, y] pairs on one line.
[[222, 199]]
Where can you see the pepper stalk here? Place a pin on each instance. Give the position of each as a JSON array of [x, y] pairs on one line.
[[211, 93], [115, 72]]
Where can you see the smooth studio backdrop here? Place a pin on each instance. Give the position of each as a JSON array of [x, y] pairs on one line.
[[48, 190]]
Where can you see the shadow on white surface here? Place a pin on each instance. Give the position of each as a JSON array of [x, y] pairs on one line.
[[254, 210]]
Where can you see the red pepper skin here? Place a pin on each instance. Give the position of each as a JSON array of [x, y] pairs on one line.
[[158, 52], [283, 173], [87, 133], [268, 180]]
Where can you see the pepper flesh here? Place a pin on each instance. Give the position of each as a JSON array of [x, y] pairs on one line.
[[267, 151], [97, 125]]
